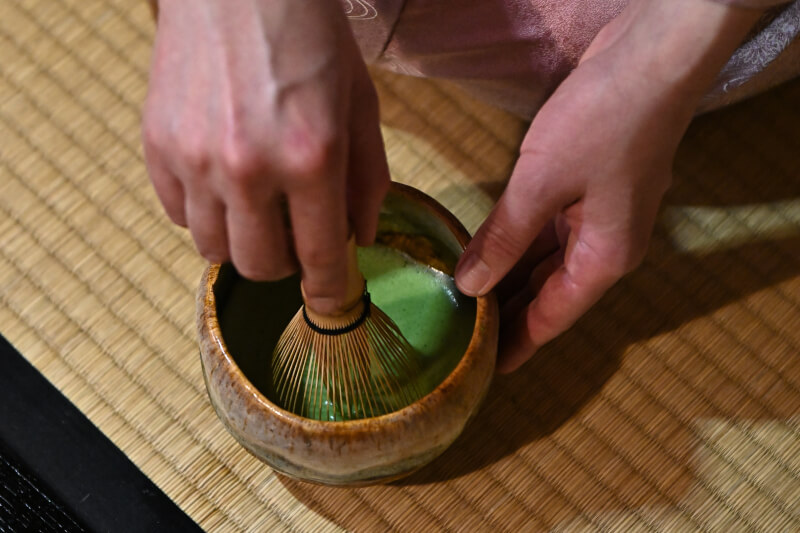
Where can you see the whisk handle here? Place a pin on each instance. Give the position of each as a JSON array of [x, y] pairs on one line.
[[347, 327]]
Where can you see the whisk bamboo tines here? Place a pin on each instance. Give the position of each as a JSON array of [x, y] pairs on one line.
[[353, 364]]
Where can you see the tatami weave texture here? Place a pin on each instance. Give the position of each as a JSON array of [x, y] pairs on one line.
[[673, 406]]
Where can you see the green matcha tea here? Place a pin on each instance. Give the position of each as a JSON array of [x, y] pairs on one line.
[[435, 318], [425, 304]]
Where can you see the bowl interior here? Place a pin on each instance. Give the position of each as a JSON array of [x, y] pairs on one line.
[[252, 315]]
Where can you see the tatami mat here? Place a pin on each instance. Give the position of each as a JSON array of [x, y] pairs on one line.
[[673, 406]]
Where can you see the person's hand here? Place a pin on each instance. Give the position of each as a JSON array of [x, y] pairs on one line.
[[583, 197], [253, 103]]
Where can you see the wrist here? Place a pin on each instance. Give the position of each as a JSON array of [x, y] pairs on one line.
[[679, 46]]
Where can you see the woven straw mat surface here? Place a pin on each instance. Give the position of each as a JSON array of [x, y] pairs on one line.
[[672, 406]]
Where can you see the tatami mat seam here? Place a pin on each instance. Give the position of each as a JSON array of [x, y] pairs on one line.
[[399, 518], [413, 499], [355, 493]]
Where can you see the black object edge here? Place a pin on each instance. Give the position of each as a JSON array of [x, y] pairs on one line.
[[78, 465]]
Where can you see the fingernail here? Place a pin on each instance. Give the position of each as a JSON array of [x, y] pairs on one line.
[[473, 275]]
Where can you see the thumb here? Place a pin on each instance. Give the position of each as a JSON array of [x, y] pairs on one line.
[[533, 196]]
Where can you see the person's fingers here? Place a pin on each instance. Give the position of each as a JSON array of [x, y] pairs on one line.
[[367, 173], [320, 232], [258, 241], [529, 201], [168, 187], [569, 291], [518, 278], [205, 215], [170, 191], [516, 344], [514, 304], [317, 209]]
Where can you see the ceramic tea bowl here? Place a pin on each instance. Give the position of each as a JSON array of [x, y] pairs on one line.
[[237, 320]]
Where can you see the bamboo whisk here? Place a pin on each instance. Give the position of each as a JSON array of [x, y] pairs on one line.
[[353, 364]]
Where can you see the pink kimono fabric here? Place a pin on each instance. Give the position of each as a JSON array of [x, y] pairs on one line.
[[514, 53]]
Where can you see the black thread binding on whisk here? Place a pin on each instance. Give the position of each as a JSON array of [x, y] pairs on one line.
[[344, 329]]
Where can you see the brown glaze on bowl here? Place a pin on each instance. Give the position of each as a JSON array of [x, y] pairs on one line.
[[356, 452]]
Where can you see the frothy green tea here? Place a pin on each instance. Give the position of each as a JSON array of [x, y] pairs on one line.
[[425, 304], [432, 314]]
